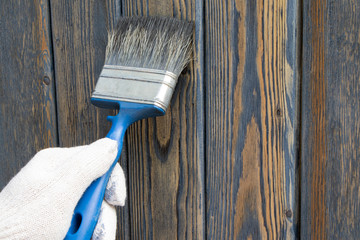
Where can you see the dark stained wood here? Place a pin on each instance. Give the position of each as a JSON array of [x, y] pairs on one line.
[[235, 107], [251, 119], [330, 200], [27, 103], [166, 154], [79, 31], [123, 219]]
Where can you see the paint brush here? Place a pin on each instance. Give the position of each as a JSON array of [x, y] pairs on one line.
[[144, 58]]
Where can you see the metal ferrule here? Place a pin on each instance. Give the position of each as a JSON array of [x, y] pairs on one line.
[[139, 85]]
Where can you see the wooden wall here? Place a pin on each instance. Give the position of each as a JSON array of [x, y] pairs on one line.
[[262, 137]]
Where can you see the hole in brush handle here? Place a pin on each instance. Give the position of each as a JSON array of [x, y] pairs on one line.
[[75, 223]]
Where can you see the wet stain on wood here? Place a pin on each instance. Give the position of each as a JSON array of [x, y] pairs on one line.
[[223, 162]]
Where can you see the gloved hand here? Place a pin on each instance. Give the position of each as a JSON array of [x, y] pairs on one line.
[[38, 203]]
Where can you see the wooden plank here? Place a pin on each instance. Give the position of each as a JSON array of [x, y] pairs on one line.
[[123, 219], [79, 34], [330, 200], [166, 154], [27, 100], [251, 119]]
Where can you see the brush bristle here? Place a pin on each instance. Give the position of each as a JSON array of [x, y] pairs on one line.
[[150, 42]]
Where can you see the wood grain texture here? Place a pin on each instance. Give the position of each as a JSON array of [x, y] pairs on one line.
[[27, 103], [251, 118], [79, 31], [166, 154], [330, 199]]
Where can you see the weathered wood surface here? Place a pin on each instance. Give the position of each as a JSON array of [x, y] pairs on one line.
[[330, 195], [166, 154], [251, 112], [79, 32], [27, 100], [229, 174]]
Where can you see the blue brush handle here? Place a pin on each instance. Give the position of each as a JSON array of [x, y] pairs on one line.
[[88, 208]]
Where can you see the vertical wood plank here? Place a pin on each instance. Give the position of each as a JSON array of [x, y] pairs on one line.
[[79, 31], [27, 99], [330, 199], [166, 154], [251, 119]]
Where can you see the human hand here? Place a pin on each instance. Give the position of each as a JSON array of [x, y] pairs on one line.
[[38, 203]]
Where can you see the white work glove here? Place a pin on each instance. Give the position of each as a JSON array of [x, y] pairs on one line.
[[38, 203]]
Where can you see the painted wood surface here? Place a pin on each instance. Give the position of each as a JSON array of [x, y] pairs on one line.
[[79, 32], [251, 116], [166, 154], [223, 162], [330, 200], [27, 99]]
